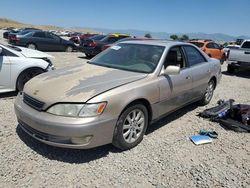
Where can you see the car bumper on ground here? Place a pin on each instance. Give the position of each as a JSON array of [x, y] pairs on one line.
[[67, 132]]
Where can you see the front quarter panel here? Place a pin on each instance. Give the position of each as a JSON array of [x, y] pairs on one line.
[[119, 98]]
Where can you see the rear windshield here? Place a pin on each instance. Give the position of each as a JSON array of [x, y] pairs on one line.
[[246, 45], [97, 37], [198, 44]]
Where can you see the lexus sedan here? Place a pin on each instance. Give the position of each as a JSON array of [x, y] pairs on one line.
[[18, 65], [116, 95]]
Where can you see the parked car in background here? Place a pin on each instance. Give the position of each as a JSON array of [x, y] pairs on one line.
[[116, 95], [13, 31], [44, 41], [77, 39], [18, 65], [239, 58], [13, 36], [94, 47], [211, 48], [229, 47]]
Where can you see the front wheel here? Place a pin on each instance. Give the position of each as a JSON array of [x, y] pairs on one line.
[[26, 76], [131, 127], [31, 46], [69, 49], [209, 93]]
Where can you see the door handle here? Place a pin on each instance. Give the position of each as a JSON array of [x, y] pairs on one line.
[[188, 77]]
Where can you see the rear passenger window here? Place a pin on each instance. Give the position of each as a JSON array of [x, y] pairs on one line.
[[210, 45], [194, 57], [39, 35], [246, 45]]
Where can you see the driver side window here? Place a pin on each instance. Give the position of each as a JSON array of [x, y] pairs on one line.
[[175, 57]]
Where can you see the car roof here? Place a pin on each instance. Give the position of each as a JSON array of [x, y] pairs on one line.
[[156, 42]]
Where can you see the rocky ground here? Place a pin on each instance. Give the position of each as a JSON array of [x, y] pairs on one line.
[[165, 158]]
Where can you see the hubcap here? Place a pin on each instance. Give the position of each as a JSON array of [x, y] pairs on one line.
[[133, 125], [209, 91], [32, 46]]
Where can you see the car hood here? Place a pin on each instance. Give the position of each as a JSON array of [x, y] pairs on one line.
[[34, 53], [77, 83]]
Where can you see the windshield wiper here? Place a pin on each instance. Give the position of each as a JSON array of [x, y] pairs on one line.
[[14, 48]]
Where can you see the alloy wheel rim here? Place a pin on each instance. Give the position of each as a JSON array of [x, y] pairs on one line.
[[209, 91], [133, 125]]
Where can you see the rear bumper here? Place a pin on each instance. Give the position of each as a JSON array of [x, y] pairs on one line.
[[64, 131]]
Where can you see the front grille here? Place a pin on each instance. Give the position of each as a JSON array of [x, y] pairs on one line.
[[32, 102], [42, 135]]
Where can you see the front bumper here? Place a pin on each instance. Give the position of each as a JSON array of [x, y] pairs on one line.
[[63, 131]]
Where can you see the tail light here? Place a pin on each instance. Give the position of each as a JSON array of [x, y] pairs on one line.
[[93, 44], [105, 47]]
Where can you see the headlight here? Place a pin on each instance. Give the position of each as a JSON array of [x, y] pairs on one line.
[[77, 110]]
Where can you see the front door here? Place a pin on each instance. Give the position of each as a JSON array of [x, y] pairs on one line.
[[175, 90]]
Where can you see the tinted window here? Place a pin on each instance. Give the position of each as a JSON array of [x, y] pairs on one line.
[[210, 45], [6, 52], [198, 44], [216, 46], [194, 57], [39, 35], [97, 37], [52, 36], [246, 45], [113, 39]]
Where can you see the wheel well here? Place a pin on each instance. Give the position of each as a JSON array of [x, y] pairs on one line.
[[209, 55], [145, 103], [215, 81], [28, 69]]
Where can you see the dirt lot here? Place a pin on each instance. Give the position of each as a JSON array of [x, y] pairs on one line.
[[165, 158]]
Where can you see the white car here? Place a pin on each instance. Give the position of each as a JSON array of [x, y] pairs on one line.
[[18, 65]]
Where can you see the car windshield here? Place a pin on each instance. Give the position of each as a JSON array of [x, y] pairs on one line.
[[198, 44], [131, 57]]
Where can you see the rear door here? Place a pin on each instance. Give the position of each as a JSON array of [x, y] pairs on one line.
[[200, 70], [175, 90]]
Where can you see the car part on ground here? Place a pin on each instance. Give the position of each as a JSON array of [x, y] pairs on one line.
[[18, 65], [124, 89]]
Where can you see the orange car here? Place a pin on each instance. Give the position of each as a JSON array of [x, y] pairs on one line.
[[211, 49]]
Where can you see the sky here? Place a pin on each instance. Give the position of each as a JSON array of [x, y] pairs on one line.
[[230, 17]]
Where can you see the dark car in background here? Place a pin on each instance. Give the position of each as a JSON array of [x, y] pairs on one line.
[[12, 31], [44, 41], [77, 38], [93, 47]]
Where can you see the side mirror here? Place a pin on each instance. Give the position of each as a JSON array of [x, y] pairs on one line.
[[172, 70], [1, 50]]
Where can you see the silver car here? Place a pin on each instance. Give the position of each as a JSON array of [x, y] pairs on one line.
[[116, 95]]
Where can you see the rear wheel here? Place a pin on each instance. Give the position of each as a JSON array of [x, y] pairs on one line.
[[31, 46], [230, 68], [26, 76], [69, 49], [209, 93], [131, 127]]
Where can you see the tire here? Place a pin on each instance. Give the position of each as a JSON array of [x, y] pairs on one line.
[[31, 46], [131, 127], [209, 93], [69, 49], [230, 68], [26, 76], [89, 56]]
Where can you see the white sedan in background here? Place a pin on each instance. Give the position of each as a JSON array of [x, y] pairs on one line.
[[18, 65]]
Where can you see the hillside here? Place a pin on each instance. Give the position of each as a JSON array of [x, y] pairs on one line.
[[4, 22]]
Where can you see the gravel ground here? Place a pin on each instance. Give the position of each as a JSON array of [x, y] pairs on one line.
[[165, 158]]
